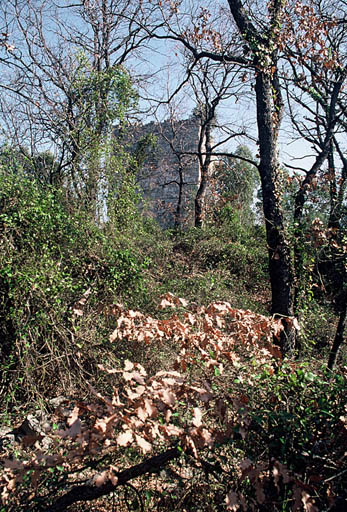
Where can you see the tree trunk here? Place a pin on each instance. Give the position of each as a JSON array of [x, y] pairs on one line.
[[178, 212], [200, 201], [269, 115], [205, 146], [280, 265], [338, 338]]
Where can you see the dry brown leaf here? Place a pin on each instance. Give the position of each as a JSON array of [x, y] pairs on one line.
[[168, 397], [150, 408], [113, 475], [141, 413], [102, 424], [197, 417], [133, 395], [307, 501], [190, 318], [232, 501], [111, 371], [125, 438], [100, 479], [143, 444], [166, 304], [113, 336], [171, 430], [128, 365], [73, 416], [128, 376]]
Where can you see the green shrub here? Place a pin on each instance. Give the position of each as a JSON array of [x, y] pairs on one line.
[[52, 257], [215, 263], [291, 422]]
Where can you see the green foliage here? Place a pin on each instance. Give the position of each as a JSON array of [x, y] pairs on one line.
[[305, 415], [212, 263], [52, 257], [98, 168], [122, 194], [318, 256], [236, 182], [294, 419], [102, 97], [42, 167]]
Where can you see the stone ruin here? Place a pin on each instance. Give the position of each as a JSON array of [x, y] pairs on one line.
[[165, 165]]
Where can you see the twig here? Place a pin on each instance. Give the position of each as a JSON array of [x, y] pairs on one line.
[[335, 476], [91, 492]]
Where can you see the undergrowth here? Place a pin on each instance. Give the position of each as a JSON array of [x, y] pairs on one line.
[[270, 439], [199, 376], [59, 271]]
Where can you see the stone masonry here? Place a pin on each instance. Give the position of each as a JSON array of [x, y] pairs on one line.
[[166, 166]]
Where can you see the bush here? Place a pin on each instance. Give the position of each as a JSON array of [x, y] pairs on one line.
[[296, 419], [253, 432], [55, 265], [216, 263]]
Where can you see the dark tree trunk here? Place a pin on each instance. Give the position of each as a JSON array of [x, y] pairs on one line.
[[269, 115], [338, 337], [200, 200], [280, 266], [178, 212]]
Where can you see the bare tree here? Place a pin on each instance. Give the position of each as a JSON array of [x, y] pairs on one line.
[[196, 142], [212, 85], [251, 36], [168, 174], [316, 98], [178, 139], [65, 82]]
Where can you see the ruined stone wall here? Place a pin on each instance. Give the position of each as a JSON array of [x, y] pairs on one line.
[[158, 178]]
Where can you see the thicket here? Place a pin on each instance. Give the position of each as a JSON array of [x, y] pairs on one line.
[[232, 427], [183, 369], [56, 264], [80, 318], [60, 271]]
